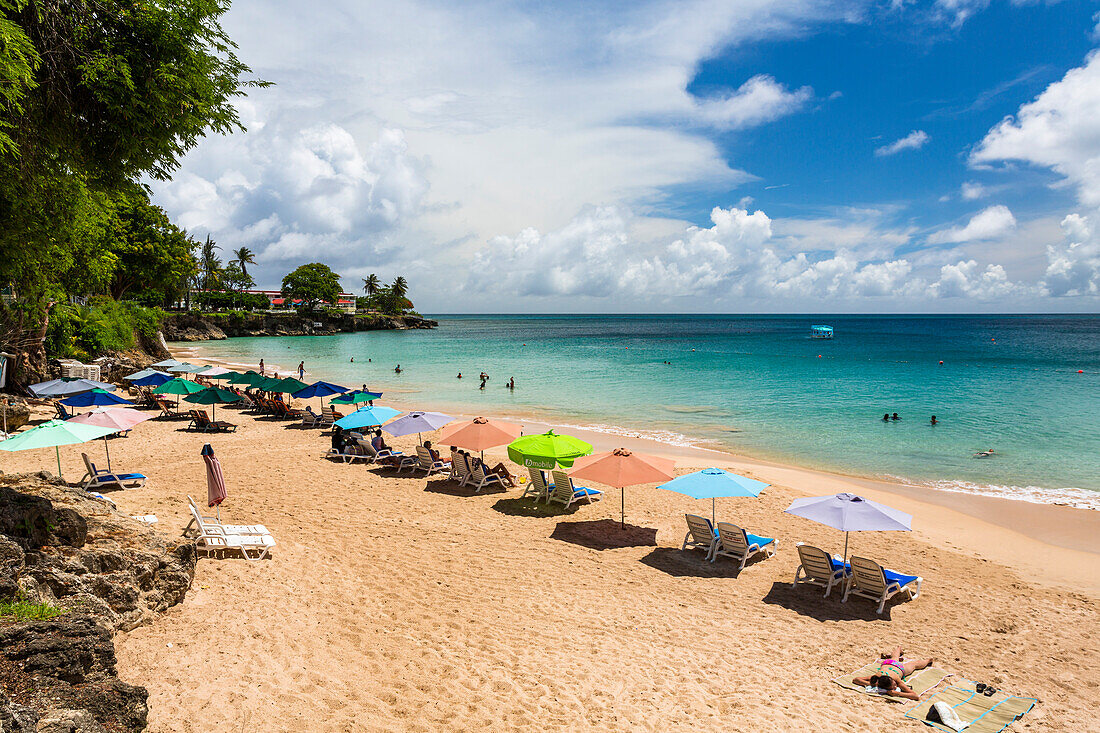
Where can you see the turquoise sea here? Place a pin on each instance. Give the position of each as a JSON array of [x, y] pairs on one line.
[[760, 386]]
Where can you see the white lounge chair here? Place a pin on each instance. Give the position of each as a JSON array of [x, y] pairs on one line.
[[354, 450], [479, 479], [96, 478], [212, 536], [818, 567], [566, 493], [700, 535], [734, 542], [537, 486], [197, 516], [429, 465], [460, 471], [871, 580]]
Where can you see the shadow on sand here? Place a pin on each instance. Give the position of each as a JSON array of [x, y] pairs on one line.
[[807, 600], [604, 534], [530, 507], [452, 488]]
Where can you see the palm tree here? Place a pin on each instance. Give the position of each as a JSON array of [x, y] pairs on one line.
[[209, 264], [244, 257], [371, 285], [399, 288]]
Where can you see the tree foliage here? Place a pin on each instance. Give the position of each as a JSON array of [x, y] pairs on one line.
[[312, 284], [151, 253]]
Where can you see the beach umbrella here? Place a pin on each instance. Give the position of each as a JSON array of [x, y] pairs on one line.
[[367, 417], [215, 481], [417, 422], [95, 398], [178, 386], [141, 374], [248, 379], [64, 388], [355, 397], [52, 434], [213, 396], [166, 363], [286, 384], [714, 483], [215, 372], [480, 433], [547, 450], [851, 513], [119, 418], [319, 389], [152, 380], [621, 468], [184, 368]]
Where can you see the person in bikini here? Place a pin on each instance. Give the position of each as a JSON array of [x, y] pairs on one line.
[[892, 669]]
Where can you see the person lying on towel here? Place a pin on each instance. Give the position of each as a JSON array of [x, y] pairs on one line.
[[892, 668]]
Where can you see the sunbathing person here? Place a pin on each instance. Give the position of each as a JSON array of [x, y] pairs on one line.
[[892, 668], [500, 470], [434, 453]]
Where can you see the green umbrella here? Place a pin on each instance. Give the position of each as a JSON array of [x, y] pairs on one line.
[[212, 396], [547, 450], [287, 384], [249, 379], [55, 433], [179, 386], [355, 398]]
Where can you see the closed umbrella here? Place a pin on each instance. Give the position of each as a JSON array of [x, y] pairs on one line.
[[621, 468], [119, 418], [547, 450], [213, 396], [417, 422], [52, 434], [851, 513], [714, 483], [367, 417], [95, 398], [63, 388], [215, 481], [481, 433]]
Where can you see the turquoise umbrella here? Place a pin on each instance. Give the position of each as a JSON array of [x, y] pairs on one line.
[[357, 397], [367, 417], [714, 483], [55, 433]]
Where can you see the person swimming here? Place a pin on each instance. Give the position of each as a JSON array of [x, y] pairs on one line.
[[890, 673], [987, 453], [886, 417], [397, 369], [895, 416], [460, 375], [933, 419]]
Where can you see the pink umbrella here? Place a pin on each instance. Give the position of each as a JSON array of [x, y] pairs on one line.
[[122, 418], [215, 481], [479, 434], [621, 468]]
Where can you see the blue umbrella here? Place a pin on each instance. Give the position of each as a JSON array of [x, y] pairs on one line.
[[851, 513], [319, 389], [714, 483], [367, 417], [62, 388], [417, 422], [152, 380], [95, 398]]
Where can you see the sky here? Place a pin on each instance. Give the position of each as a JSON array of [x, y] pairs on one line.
[[667, 155]]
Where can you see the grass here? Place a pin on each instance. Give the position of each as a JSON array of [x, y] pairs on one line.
[[25, 610]]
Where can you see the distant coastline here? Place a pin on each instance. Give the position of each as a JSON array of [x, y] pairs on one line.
[[218, 326]]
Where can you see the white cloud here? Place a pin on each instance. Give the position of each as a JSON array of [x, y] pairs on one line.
[[760, 99], [958, 11], [989, 223], [913, 141], [971, 191], [968, 280], [1074, 266]]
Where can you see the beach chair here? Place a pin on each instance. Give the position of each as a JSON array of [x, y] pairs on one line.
[[378, 455], [818, 567], [537, 486], [734, 542], [62, 413], [566, 493], [213, 536], [427, 464], [351, 454], [168, 410], [701, 534], [310, 419], [459, 470], [201, 421], [197, 516], [871, 580], [96, 478], [479, 479]]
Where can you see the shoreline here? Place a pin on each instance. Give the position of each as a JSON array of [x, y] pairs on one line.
[[1058, 543]]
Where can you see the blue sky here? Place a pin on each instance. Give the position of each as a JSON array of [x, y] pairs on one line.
[[688, 155]]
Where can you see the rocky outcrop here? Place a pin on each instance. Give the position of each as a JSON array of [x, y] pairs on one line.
[[216, 326], [17, 413], [63, 547]]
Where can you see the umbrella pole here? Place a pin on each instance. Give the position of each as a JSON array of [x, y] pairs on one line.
[[58, 452], [622, 508], [845, 547], [107, 448], [713, 519]]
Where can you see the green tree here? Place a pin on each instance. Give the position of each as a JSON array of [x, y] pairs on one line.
[[244, 257], [312, 284], [371, 285], [209, 265], [151, 253]]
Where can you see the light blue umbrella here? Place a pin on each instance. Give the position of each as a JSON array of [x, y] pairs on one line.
[[185, 368], [714, 483], [417, 422], [52, 434], [141, 374], [95, 398], [167, 363], [62, 388], [851, 513], [367, 417]]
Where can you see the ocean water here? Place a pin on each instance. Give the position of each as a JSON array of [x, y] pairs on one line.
[[760, 386]]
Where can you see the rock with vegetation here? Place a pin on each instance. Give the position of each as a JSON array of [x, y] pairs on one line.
[[17, 413], [72, 572], [211, 326]]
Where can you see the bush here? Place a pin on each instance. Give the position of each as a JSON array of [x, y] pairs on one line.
[[82, 332], [24, 610]]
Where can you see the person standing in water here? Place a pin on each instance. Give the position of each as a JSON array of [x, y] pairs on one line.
[[933, 419], [302, 371], [397, 369], [261, 367]]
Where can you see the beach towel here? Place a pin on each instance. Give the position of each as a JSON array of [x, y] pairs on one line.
[[981, 714], [921, 681]]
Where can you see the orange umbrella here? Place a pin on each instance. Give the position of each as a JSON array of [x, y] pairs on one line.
[[479, 434], [621, 468]]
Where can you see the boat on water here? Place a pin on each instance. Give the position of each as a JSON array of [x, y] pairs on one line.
[[821, 332]]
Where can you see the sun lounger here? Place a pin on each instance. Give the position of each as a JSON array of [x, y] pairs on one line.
[[211, 523], [537, 486], [819, 568], [168, 410], [201, 421], [701, 535], [377, 456], [565, 492], [479, 479], [429, 465], [459, 470], [96, 478], [871, 580], [62, 413], [734, 542]]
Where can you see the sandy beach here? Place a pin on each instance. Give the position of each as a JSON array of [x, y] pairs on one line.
[[399, 603]]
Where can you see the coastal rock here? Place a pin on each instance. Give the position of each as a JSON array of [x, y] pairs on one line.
[[69, 721], [75, 650], [15, 718], [195, 327], [16, 412]]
